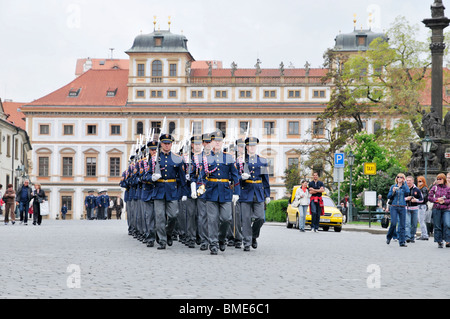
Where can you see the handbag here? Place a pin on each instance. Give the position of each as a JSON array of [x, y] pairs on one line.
[[30, 210], [385, 221], [44, 209]]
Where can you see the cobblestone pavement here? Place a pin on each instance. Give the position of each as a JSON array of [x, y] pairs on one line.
[[98, 259]]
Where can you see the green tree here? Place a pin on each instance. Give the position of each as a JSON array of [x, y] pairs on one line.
[[367, 150]]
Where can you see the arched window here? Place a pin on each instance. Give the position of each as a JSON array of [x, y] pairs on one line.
[[139, 128], [156, 71]]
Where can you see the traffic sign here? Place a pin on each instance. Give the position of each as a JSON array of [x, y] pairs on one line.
[[339, 160], [370, 168]]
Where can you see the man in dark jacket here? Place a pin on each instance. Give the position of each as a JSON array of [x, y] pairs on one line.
[[23, 198]]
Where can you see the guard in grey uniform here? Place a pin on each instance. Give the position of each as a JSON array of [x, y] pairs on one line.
[[170, 183], [222, 188], [255, 191]]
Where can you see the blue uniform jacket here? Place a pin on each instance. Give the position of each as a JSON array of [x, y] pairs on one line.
[[90, 201], [258, 183], [174, 184], [220, 166], [124, 184], [148, 187]]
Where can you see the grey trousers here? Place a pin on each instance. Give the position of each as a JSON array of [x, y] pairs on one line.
[[251, 211], [181, 219], [202, 221], [130, 216], [235, 230], [191, 223], [165, 208], [219, 218], [149, 217], [139, 219]]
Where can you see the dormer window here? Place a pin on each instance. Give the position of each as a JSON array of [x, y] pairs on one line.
[[361, 40], [158, 41], [111, 92], [74, 92]]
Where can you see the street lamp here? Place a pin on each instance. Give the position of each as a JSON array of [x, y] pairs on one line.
[[426, 146], [351, 161]]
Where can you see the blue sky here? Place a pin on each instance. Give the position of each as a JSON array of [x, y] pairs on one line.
[[41, 40]]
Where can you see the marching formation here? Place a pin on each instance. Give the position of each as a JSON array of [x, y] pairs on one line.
[[203, 194]]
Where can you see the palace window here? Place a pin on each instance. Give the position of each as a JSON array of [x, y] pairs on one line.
[[91, 166], [156, 71], [172, 69], [141, 69], [43, 166], [114, 166], [67, 166]]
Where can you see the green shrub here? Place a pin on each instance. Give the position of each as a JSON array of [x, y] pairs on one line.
[[276, 210]]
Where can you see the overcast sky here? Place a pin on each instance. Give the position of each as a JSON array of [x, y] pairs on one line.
[[42, 39]]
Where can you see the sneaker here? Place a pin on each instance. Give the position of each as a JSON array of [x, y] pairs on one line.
[[440, 245]]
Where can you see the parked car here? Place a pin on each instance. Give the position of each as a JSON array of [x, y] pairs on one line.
[[332, 217]]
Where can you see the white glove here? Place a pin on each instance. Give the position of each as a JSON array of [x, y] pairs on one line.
[[155, 177], [188, 177], [235, 198], [193, 190], [245, 176], [267, 200], [184, 198]]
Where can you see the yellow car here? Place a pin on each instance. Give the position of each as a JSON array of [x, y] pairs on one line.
[[332, 217]]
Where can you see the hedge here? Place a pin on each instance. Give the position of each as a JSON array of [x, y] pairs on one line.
[[276, 210]]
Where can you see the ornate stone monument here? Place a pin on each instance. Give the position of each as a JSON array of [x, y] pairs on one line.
[[437, 129]]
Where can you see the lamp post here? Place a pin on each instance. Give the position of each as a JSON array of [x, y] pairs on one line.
[[351, 161], [426, 146]]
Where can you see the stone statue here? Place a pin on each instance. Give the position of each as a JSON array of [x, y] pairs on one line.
[[447, 125], [233, 68], [416, 157], [437, 9], [188, 68], [281, 68], [307, 65], [258, 67], [431, 123], [209, 68]]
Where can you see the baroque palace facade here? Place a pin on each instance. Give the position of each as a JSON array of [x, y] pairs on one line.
[[82, 134]]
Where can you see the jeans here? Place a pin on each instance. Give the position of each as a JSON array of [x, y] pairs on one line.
[[441, 219], [302, 216], [23, 208], [398, 215], [411, 224], [422, 216], [316, 211]]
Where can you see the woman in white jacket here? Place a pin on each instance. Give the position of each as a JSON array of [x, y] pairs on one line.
[[301, 200]]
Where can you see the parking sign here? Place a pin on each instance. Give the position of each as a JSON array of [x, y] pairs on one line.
[[339, 160]]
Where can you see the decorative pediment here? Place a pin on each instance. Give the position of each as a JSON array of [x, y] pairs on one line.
[[91, 151], [67, 150], [269, 152], [114, 151], [294, 152], [43, 150]]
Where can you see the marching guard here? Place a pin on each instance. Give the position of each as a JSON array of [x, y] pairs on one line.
[[222, 188], [192, 168], [170, 183], [255, 191], [148, 189], [90, 202]]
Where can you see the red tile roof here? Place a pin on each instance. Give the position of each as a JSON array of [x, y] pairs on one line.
[[15, 116], [102, 64], [92, 87]]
